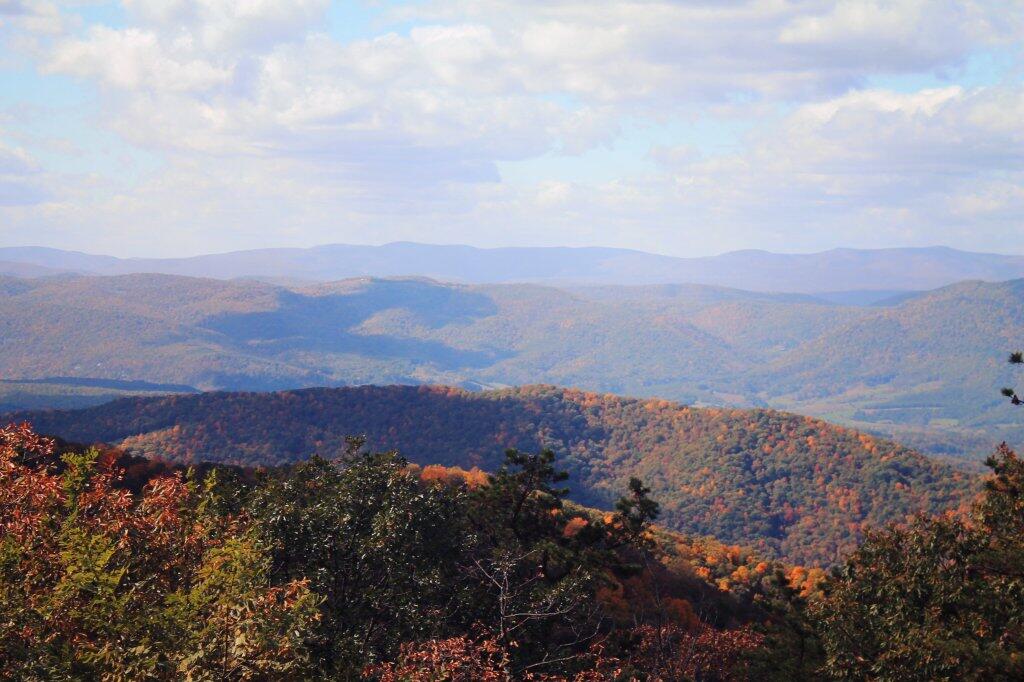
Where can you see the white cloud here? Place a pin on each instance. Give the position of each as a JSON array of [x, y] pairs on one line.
[[30, 16], [674, 52], [133, 59], [930, 166], [19, 178], [271, 129], [219, 25], [910, 35]]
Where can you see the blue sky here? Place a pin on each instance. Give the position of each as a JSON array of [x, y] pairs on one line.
[[173, 127]]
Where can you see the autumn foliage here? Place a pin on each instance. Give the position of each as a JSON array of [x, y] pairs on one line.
[[362, 567], [97, 582], [369, 567], [789, 486]]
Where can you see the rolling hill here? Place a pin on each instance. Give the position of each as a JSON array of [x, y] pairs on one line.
[[925, 369], [791, 486], [213, 334], [854, 273], [933, 362]]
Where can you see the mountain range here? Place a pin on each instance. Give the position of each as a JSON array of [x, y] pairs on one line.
[[791, 486], [881, 271], [926, 368]]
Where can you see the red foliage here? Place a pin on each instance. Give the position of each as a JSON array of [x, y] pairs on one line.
[[666, 654], [157, 545], [675, 653], [458, 659]]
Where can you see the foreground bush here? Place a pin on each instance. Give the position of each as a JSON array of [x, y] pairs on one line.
[[939, 599]]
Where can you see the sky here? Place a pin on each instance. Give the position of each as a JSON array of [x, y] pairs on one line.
[[178, 127]]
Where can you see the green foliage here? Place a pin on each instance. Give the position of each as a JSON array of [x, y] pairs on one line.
[[96, 583], [637, 510], [379, 548], [936, 600], [220, 624], [1016, 358], [534, 582]]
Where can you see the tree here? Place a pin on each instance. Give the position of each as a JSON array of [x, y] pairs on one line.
[[537, 565], [1016, 358], [99, 583], [334, 570], [532, 588], [458, 659], [938, 599], [636, 512], [380, 548]]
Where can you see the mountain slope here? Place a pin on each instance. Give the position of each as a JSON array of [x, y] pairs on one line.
[[926, 369], [798, 487], [937, 359], [838, 270], [250, 335], [20, 269]]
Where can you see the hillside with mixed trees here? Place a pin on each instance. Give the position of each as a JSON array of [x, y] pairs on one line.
[[364, 567], [920, 369], [787, 485], [367, 567]]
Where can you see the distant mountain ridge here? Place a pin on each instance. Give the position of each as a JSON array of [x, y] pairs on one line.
[[840, 270]]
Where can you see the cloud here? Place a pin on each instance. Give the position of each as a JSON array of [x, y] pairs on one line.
[[272, 129], [912, 35], [242, 76], [929, 166], [421, 108], [24, 20], [870, 144], [671, 53], [133, 59], [19, 179], [231, 24]]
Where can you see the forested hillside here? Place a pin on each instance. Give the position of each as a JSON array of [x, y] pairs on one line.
[[248, 335], [922, 370], [930, 362], [788, 485], [72, 392], [368, 568]]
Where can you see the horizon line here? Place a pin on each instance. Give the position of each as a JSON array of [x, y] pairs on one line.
[[403, 242]]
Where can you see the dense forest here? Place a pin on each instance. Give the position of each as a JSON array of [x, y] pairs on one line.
[[920, 367], [788, 486], [367, 567]]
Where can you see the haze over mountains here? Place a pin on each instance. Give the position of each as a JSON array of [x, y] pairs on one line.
[[926, 368], [838, 270]]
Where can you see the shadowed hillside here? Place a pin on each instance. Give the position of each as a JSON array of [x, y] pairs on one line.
[[793, 486], [249, 335]]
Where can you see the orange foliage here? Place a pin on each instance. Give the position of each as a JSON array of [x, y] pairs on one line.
[[453, 475], [706, 467], [458, 659], [574, 526]]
